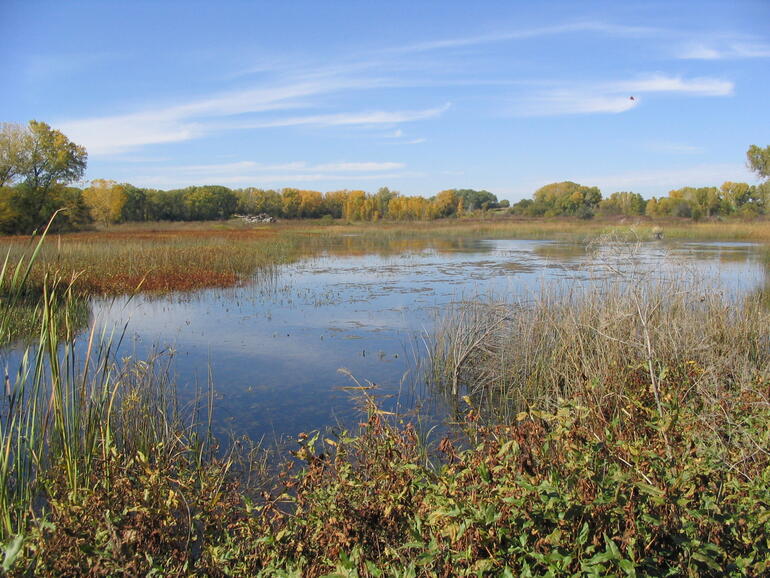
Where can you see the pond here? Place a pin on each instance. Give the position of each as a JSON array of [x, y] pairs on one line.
[[287, 353]]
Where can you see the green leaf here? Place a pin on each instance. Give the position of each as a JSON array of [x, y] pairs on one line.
[[12, 551]]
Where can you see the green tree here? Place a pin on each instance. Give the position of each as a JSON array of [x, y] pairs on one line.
[[14, 145], [209, 203], [52, 158], [476, 200], [37, 162], [565, 198], [759, 160], [136, 206], [623, 203]]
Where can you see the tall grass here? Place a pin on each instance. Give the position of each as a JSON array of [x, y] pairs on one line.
[[70, 407], [666, 330]]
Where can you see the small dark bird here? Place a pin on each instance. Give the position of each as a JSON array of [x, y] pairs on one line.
[[631, 98]]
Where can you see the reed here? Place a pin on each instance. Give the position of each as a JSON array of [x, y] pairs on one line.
[[70, 407], [628, 327]]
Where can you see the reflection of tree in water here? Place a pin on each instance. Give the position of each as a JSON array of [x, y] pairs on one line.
[[356, 244], [24, 316]]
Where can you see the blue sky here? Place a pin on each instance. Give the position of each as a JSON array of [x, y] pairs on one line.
[[416, 96]]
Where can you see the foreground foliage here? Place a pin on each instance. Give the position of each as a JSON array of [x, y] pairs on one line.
[[576, 491]]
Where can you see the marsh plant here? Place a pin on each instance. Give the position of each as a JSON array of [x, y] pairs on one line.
[[72, 413]]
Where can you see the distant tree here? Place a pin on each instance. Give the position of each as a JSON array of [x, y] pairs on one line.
[[252, 201], [476, 200], [759, 160], [290, 201], [623, 203], [14, 151], [355, 206], [105, 200], [734, 196], [445, 204], [334, 203], [565, 198], [382, 199], [136, 206], [310, 204], [209, 203], [51, 158], [166, 205]]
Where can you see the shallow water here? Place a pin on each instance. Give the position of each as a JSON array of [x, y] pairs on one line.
[[274, 348]]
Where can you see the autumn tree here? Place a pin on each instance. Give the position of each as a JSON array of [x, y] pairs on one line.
[[445, 203], [566, 198], [334, 203], [310, 204], [105, 200]]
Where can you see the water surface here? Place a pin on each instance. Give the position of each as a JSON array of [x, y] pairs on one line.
[[274, 349]]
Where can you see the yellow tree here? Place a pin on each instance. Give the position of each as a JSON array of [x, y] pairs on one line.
[[105, 200], [310, 203], [354, 206]]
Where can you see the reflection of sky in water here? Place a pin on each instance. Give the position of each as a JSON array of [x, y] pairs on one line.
[[275, 351]]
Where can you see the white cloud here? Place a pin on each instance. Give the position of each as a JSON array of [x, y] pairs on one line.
[[350, 118], [561, 102], [616, 97], [526, 33], [673, 148], [675, 84], [196, 118], [725, 51], [249, 173]]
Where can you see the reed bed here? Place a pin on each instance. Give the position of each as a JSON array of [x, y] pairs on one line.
[[666, 333], [157, 261], [163, 257], [73, 418]]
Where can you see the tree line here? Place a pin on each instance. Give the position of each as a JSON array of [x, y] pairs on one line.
[[741, 199], [38, 165]]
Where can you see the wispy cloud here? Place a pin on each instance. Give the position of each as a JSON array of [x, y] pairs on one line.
[[348, 118], [574, 101], [673, 148], [616, 97], [527, 33], [723, 51], [250, 173], [198, 117], [659, 182], [675, 84]]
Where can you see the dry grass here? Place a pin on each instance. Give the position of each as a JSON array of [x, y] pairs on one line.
[[161, 257], [663, 331]]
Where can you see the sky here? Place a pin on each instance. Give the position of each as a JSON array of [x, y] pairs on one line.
[[417, 96]]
